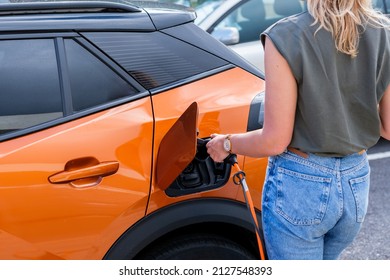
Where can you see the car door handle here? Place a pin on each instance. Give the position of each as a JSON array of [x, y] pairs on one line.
[[84, 172]]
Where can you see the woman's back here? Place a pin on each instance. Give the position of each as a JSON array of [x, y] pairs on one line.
[[337, 93]]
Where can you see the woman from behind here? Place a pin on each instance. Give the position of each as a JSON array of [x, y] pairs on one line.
[[327, 101]]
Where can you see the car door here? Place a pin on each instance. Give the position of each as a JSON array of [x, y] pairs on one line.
[[75, 150]]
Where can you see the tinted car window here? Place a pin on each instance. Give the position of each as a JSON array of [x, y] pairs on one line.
[[155, 59], [92, 82], [29, 84]]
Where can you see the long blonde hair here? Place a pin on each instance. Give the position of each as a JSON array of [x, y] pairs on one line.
[[344, 19]]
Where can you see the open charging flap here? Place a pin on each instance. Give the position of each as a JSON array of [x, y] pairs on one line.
[[177, 148]]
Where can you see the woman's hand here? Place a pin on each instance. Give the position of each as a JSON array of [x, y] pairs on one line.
[[215, 147]]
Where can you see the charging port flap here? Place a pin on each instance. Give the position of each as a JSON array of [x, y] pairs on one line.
[[177, 148]]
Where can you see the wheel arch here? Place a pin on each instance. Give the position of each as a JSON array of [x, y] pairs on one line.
[[193, 214]]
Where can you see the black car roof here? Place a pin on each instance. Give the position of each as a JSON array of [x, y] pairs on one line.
[[91, 15]]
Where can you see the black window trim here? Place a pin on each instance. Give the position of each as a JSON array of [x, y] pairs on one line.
[[67, 105], [47, 35], [58, 39]]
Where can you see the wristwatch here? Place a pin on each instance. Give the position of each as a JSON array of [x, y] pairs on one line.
[[227, 144]]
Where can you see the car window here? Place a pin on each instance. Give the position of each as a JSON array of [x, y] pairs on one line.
[[252, 17], [382, 5], [205, 9], [155, 59], [29, 84], [92, 82]]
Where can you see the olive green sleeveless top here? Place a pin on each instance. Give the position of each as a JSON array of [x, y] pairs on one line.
[[338, 96]]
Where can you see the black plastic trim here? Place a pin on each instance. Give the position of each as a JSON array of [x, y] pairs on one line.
[[202, 174], [194, 35], [37, 35], [174, 217], [160, 59], [256, 112], [67, 103]]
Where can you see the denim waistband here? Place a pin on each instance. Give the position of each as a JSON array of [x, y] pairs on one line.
[[347, 163]]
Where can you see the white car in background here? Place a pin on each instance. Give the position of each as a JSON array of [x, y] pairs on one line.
[[239, 23]]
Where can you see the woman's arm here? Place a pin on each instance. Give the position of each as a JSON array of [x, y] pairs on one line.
[[384, 112], [280, 105]]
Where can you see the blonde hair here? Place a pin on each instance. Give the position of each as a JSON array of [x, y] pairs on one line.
[[344, 19]]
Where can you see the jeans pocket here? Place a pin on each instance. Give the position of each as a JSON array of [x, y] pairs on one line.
[[302, 199], [360, 188]]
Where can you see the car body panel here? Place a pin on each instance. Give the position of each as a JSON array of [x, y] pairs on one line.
[[65, 221], [94, 217], [72, 187], [162, 17], [215, 116]]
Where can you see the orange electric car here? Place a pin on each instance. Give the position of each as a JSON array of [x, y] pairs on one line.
[[105, 109]]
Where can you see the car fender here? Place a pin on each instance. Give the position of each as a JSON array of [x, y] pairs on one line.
[[176, 216]]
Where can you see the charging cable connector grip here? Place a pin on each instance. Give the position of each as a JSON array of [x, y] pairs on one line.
[[239, 176], [231, 159]]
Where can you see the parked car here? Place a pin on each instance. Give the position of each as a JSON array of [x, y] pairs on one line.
[[105, 109], [239, 23]]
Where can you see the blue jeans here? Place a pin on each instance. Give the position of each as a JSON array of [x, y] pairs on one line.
[[313, 208]]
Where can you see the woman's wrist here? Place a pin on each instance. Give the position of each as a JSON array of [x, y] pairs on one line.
[[227, 144]]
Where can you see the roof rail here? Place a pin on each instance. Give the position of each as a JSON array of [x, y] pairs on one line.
[[65, 6]]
